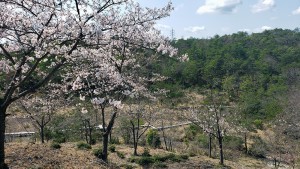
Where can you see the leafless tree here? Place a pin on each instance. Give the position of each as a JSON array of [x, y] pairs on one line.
[[211, 116], [41, 107]]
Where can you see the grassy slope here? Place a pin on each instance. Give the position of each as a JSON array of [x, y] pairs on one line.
[[28, 155]]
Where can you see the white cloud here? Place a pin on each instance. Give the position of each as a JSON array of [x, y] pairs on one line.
[[261, 29], [245, 30], [297, 11], [194, 29], [224, 6], [266, 28], [263, 5]]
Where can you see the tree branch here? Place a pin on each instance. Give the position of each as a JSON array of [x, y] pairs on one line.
[[41, 83], [7, 55]]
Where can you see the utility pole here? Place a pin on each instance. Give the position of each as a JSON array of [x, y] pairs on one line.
[[172, 34]]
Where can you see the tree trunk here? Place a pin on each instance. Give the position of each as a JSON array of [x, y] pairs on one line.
[[90, 133], [105, 145], [134, 139], [209, 145], [110, 136], [103, 119], [245, 140], [106, 135], [2, 138], [164, 136], [275, 162], [42, 135], [220, 139], [170, 145], [85, 131], [135, 148]]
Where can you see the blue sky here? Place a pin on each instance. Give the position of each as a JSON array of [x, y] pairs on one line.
[[206, 18]]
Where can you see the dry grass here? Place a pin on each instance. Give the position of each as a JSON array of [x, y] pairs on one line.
[[28, 155]]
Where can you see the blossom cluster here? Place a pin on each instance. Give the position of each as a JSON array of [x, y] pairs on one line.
[[97, 41]]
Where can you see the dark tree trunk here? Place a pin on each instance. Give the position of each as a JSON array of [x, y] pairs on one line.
[[85, 131], [135, 148], [42, 135], [275, 162], [96, 118], [106, 133], [103, 119], [220, 140], [245, 140], [134, 139], [90, 133], [209, 145], [136, 134], [105, 145], [42, 126], [110, 136], [170, 145], [164, 136], [2, 138]]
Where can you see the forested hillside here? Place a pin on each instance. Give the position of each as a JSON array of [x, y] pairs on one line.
[[255, 69]]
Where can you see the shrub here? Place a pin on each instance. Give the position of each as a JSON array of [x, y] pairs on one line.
[[127, 166], [93, 141], [114, 140], [82, 146], [184, 156], [160, 165], [176, 158], [55, 145], [124, 130], [191, 132], [161, 158], [153, 138], [132, 159], [35, 167], [171, 157], [98, 152], [233, 142], [146, 152], [59, 137], [258, 124], [258, 148], [158, 159], [166, 157], [48, 134], [97, 136], [192, 154], [203, 140], [112, 148], [120, 154], [145, 160]]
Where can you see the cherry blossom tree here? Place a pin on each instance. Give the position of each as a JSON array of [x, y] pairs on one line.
[[38, 38], [106, 81]]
